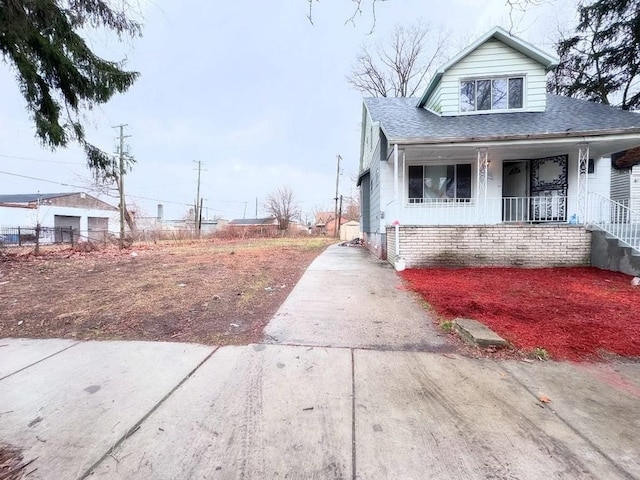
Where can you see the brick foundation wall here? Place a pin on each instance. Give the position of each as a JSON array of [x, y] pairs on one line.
[[376, 243], [547, 245]]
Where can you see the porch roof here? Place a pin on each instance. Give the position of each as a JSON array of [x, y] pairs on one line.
[[404, 123]]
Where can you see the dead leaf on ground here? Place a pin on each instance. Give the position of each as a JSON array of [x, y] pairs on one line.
[[544, 399]]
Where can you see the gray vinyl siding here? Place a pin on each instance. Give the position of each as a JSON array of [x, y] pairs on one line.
[[365, 202], [374, 195], [620, 185]]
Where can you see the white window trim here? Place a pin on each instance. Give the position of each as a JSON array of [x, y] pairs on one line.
[[495, 77], [436, 201]]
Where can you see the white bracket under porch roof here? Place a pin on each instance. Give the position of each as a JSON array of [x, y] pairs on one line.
[[483, 163], [583, 182]]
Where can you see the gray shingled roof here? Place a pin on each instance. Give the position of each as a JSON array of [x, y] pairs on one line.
[[401, 119], [31, 197], [253, 221]]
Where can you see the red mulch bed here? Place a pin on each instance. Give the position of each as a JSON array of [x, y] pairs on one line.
[[573, 313]]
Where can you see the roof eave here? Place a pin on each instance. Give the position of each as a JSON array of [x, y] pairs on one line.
[[506, 138], [360, 177]]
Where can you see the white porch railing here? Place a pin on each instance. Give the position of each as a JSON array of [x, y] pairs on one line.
[[489, 211], [614, 218]]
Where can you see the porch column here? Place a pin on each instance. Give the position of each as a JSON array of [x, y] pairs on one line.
[[395, 173], [396, 190], [582, 183], [481, 198], [403, 187]]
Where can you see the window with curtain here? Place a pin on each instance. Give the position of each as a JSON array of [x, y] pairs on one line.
[[492, 94], [439, 182]]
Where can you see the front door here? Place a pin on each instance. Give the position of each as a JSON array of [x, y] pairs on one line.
[[549, 188], [515, 191]]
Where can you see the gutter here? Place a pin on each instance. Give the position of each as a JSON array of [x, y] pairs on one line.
[[19, 205], [585, 136]]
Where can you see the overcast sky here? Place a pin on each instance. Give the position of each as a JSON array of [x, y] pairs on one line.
[[250, 88]]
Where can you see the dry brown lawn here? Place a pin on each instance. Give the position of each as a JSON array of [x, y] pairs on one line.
[[215, 292]]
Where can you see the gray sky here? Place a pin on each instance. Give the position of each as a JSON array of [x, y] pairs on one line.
[[251, 89]]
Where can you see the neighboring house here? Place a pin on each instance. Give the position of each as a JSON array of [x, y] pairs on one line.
[[325, 223], [64, 215], [254, 226], [350, 230], [253, 222], [486, 168], [625, 178]]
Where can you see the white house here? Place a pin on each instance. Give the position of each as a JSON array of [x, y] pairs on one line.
[[486, 168], [60, 215]]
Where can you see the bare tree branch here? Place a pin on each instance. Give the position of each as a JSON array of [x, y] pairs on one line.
[[400, 67], [282, 205]]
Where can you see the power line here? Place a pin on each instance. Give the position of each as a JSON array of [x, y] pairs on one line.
[[41, 160], [84, 188], [41, 180], [139, 197]]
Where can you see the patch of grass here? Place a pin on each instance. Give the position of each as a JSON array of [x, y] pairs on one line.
[[426, 305], [447, 326], [541, 354]]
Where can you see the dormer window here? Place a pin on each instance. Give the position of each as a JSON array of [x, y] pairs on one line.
[[505, 93]]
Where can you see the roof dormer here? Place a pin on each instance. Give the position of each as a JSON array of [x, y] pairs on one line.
[[497, 73]]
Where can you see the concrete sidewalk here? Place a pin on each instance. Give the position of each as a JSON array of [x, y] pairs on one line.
[[154, 410], [348, 298]]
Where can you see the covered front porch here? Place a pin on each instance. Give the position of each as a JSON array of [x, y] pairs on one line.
[[531, 181]]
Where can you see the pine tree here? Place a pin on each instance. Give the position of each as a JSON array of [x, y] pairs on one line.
[[601, 62], [58, 74]]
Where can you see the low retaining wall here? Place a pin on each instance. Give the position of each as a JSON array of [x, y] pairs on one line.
[[376, 243], [546, 245], [607, 253]]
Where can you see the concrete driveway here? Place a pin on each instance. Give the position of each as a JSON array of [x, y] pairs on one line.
[[349, 393]]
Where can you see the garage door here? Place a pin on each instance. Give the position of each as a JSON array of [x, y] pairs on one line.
[[67, 228], [98, 228]]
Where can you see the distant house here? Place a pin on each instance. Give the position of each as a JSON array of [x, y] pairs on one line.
[[63, 215], [326, 223], [254, 226], [253, 222], [350, 230]]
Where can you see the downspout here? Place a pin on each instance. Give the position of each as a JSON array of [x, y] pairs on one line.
[[399, 261]]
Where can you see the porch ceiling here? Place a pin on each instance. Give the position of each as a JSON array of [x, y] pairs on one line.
[[515, 150]]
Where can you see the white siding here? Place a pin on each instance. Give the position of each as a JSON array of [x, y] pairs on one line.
[[620, 185], [491, 59], [600, 181], [18, 217], [635, 188], [45, 214], [387, 194], [370, 140], [435, 100]]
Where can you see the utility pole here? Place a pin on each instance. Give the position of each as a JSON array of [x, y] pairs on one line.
[[198, 203], [244, 214], [256, 207], [339, 216], [121, 171], [337, 223]]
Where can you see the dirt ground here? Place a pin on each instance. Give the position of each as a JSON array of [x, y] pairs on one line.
[[211, 292]]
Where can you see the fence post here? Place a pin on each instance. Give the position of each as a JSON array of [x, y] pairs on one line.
[[19, 238], [71, 235], [37, 251]]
